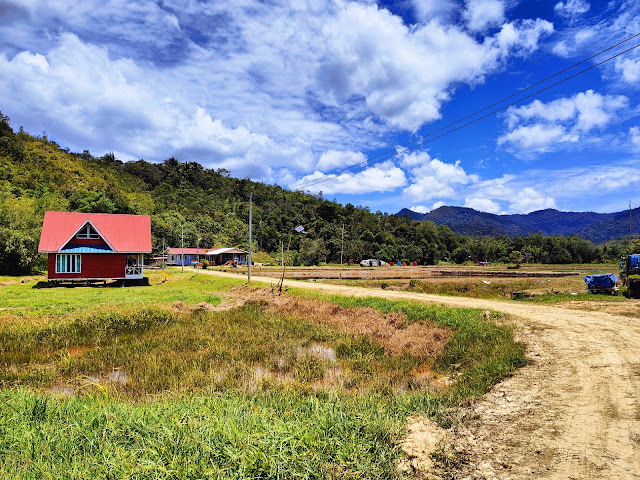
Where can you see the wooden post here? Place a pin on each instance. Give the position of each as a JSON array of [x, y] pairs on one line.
[[341, 252], [250, 240]]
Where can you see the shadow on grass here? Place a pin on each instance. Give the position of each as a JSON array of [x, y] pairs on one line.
[[143, 282]]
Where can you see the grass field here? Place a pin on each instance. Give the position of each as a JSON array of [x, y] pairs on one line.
[[199, 377]]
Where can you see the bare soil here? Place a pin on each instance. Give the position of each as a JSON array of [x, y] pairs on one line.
[[572, 413]]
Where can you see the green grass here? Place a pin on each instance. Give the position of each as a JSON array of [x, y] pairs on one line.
[[553, 298], [183, 287], [239, 393]]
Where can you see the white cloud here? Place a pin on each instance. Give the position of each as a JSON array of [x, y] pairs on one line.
[[585, 34], [383, 177], [561, 49], [529, 200], [333, 159], [634, 134], [419, 209], [536, 138], [483, 204], [539, 127], [630, 69], [572, 8], [433, 178], [481, 14], [400, 71], [427, 10], [438, 205]]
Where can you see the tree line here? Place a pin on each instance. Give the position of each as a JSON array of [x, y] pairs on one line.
[[37, 175]]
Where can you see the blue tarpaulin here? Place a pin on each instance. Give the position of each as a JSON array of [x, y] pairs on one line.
[[604, 280]]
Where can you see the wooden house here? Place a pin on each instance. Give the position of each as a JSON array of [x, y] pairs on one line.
[[95, 246], [220, 256]]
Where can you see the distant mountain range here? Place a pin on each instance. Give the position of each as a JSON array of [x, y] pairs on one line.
[[597, 227]]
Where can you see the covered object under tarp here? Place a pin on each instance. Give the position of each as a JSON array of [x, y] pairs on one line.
[[601, 283]]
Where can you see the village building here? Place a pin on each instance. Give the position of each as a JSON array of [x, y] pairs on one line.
[[218, 256], [186, 256], [95, 246]]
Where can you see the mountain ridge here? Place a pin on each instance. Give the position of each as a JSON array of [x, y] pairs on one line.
[[597, 227]]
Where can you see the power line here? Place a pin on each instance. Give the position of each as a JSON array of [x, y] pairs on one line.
[[358, 167]]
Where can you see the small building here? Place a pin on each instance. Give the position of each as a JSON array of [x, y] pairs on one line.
[[186, 256], [220, 256], [95, 246]]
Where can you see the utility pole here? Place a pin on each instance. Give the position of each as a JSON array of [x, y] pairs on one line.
[[341, 252], [250, 239], [182, 255]]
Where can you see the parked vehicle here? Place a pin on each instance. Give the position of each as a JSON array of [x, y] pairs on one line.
[[630, 274], [372, 262], [604, 283]]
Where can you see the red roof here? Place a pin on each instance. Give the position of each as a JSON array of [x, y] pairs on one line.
[[124, 233], [187, 251]]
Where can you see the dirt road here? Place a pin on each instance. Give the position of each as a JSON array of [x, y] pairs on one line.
[[572, 413]]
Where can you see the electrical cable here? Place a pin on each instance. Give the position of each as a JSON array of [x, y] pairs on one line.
[[357, 167]]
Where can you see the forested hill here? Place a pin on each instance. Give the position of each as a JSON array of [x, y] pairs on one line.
[[37, 175], [597, 227]]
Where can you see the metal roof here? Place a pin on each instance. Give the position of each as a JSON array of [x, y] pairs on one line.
[[124, 233], [218, 251], [187, 251]]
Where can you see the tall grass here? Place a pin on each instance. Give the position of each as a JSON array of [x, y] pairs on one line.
[[478, 354], [275, 434]]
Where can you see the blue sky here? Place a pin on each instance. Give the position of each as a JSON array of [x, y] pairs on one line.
[[287, 92]]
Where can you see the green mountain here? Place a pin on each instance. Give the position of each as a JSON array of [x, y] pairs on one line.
[[597, 227]]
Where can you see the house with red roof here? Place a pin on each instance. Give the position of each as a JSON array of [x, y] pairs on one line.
[[95, 246]]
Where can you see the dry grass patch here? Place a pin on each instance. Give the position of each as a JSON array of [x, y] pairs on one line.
[[421, 340]]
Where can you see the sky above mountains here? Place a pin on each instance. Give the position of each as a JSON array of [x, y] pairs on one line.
[[290, 92]]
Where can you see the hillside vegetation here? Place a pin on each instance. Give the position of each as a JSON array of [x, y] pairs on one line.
[[37, 175]]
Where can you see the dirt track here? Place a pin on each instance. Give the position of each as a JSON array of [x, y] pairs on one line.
[[572, 413]]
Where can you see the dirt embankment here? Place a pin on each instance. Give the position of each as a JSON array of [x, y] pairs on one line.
[[572, 413]]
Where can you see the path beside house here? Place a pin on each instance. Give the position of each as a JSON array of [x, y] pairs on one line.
[[572, 413]]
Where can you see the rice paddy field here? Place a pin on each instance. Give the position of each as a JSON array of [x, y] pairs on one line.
[[196, 376]]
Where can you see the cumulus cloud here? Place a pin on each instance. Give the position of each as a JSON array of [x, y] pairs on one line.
[[529, 200], [383, 177], [536, 138], [482, 204], [400, 72], [630, 69], [572, 8], [481, 14], [539, 126], [432, 178], [420, 209]]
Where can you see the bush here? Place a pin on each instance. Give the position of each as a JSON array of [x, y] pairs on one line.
[[204, 263]]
